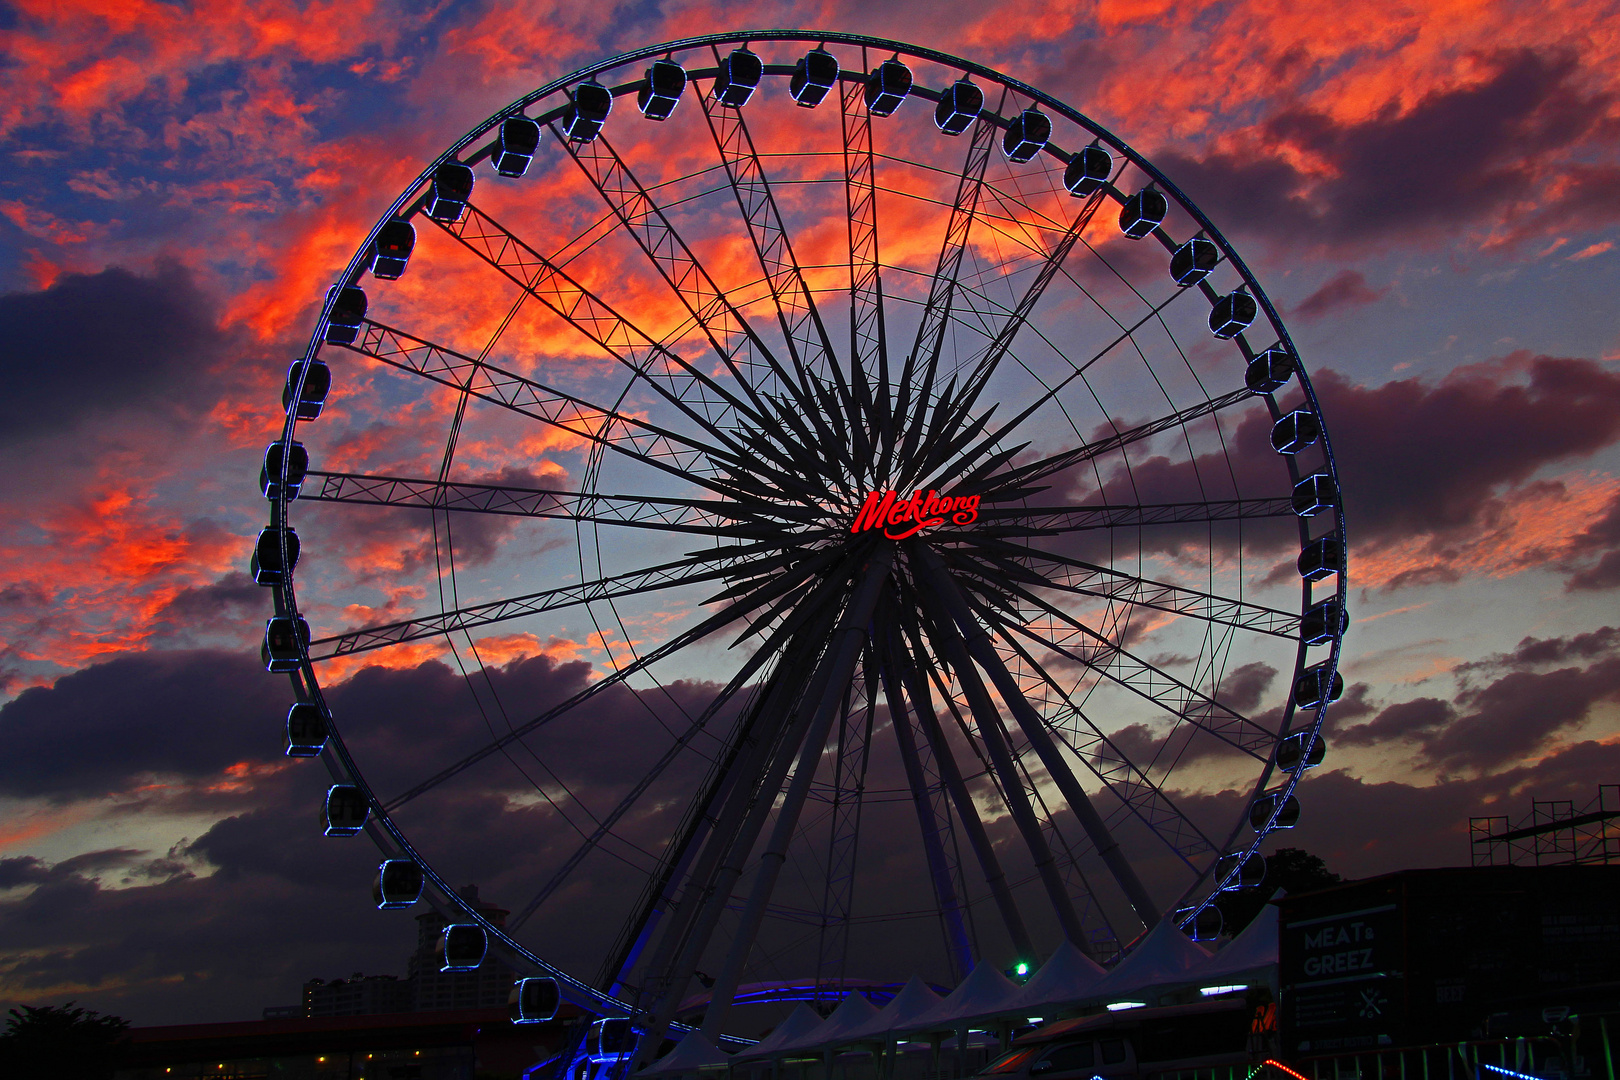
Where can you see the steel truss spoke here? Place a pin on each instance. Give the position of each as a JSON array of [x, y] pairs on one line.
[[675, 379], [671, 452], [749, 669], [664, 576], [1138, 795], [847, 795], [765, 593], [806, 335], [976, 642], [915, 669], [984, 365], [1081, 578], [727, 330], [705, 517], [929, 798], [868, 338], [1067, 636], [1057, 520], [974, 455], [1045, 467], [937, 310]]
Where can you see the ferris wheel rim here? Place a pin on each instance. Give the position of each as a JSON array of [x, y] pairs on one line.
[[385, 831]]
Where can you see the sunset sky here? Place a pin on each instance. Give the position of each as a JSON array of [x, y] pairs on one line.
[[1429, 191]]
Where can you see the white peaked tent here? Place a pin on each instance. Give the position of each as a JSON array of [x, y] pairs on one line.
[[1252, 954], [800, 1022], [914, 1000], [1163, 957], [692, 1054], [1068, 975], [852, 1014], [985, 992]]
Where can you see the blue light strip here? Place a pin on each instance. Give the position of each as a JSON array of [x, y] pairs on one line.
[[1509, 1072]]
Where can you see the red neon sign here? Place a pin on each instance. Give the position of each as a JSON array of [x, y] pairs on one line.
[[900, 518]]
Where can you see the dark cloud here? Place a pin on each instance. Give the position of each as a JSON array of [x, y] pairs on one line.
[[1419, 458], [93, 343], [183, 713], [233, 605], [1347, 288], [1418, 717], [1604, 641], [1456, 156], [1600, 539], [1514, 716]]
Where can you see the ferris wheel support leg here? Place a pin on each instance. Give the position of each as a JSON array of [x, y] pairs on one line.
[[734, 837], [988, 719], [839, 663], [939, 869], [757, 769], [980, 647], [967, 810]]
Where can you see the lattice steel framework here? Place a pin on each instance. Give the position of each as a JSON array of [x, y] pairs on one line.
[[742, 362]]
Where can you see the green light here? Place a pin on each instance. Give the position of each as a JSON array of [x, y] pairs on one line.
[[1022, 968]]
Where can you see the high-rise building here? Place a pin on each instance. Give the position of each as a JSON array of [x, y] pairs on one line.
[[434, 989], [424, 988]]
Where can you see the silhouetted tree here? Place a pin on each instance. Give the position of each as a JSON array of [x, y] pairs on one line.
[[1289, 869], [60, 1042]]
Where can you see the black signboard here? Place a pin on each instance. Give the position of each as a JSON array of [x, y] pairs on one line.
[[1343, 978]]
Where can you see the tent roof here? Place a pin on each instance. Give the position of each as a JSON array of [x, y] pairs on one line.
[[1162, 956], [852, 1014], [1254, 948], [693, 1053], [1068, 975], [913, 1000], [799, 1023], [983, 992]]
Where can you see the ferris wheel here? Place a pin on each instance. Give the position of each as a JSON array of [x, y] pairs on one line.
[[945, 501]]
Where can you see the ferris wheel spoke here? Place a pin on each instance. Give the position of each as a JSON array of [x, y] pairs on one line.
[[1001, 433], [1080, 578], [850, 761], [718, 621], [1138, 795], [1055, 463], [936, 314], [1067, 636], [959, 625], [699, 724], [987, 720], [914, 670], [984, 364], [711, 309], [868, 338], [808, 344], [929, 799], [673, 378], [656, 446], [706, 517], [1058, 520], [616, 587]]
